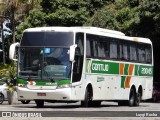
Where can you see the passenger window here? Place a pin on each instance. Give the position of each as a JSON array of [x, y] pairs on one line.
[[88, 48], [101, 50], [113, 50], [133, 53], [123, 52], [79, 42], [95, 51], [141, 53], [91, 46], [148, 55]]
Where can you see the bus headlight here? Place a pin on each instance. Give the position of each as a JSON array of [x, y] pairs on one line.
[[21, 85], [63, 86]]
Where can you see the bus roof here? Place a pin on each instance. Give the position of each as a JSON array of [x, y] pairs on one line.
[[91, 30]]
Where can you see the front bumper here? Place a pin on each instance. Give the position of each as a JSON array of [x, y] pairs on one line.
[[63, 94]]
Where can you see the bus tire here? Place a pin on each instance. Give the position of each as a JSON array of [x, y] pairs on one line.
[[132, 97], [87, 99], [123, 103], [39, 103], [1, 98], [25, 101], [95, 103], [138, 98]]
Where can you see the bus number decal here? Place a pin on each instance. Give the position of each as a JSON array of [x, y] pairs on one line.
[[142, 70], [146, 71]]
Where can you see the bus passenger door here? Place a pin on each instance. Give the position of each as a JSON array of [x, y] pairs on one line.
[[78, 65], [79, 55], [77, 68]]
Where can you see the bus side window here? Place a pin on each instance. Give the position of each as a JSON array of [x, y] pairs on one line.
[[123, 51], [133, 53], [95, 49], [148, 54], [141, 53], [102, 47], [91, 46], [88, 48], [79, 42], [113, 50], [106, 47], [101, 50]]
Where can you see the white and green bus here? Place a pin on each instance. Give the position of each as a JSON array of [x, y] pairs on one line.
[[87, 64]]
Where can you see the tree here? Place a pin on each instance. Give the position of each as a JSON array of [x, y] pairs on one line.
[[12, 6], [104, 18], [17, 10], [65, 13], [62, 13], [36, 18], [149, 15], [70, 12], [119, 15], [149, 26]]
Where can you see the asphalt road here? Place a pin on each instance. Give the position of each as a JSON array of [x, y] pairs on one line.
[[64, 111]]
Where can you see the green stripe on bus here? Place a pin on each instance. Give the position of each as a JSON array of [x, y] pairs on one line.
[[22, 81], [126, 69], [105, 67], [123, 78], [62, 82], [136, 70]]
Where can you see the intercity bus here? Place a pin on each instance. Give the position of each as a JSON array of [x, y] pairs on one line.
[[86, 64]]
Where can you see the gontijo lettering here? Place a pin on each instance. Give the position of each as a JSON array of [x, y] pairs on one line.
[[100, 67]]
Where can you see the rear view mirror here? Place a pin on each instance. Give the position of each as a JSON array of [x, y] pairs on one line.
[[72, 52], [12, 51]]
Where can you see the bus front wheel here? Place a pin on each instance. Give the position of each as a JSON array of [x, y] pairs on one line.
[[39, 103], [25, 101], [87, 99]]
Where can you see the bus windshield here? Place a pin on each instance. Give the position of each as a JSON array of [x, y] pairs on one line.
[[50, 63]]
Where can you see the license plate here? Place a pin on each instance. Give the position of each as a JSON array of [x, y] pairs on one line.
[[41, 94]]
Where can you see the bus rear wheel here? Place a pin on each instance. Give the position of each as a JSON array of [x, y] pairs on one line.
[[39, 103], [138, 99], [132, 97]]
